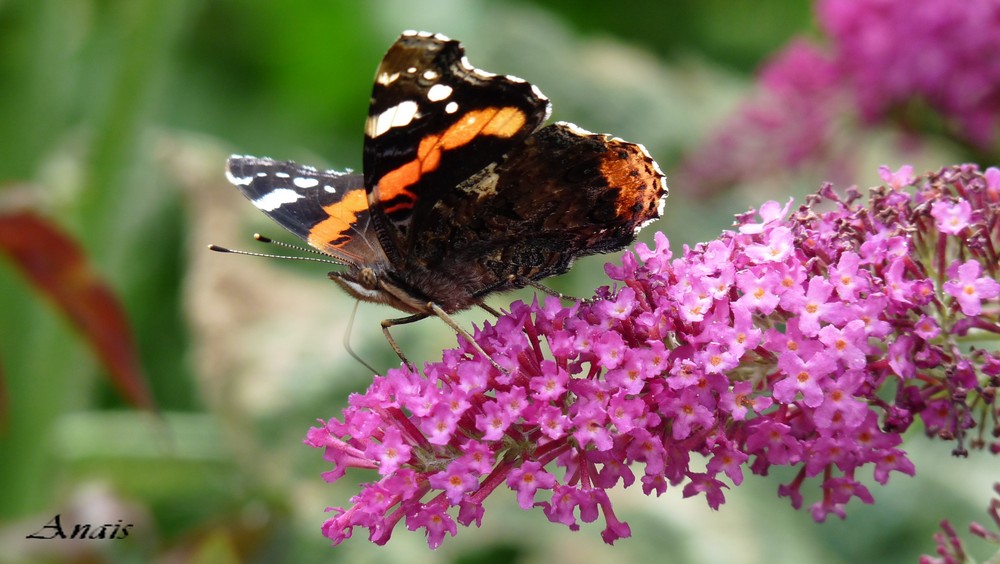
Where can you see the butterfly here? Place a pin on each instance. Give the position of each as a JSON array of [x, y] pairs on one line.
[[464, 191]]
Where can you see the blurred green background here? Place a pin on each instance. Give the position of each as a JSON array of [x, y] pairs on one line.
[[115, 121]]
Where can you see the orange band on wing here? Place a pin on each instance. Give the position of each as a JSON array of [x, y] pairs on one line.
[[505, 123], [496, 122], [334, 230]]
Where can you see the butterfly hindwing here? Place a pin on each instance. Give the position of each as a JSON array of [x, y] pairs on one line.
[[564, 193]]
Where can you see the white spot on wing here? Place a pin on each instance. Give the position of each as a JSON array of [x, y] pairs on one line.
[[430, 75], [399, 115], [414, 33], [451, 108], [303, 182], [439, 92], [477, 71], [232, 178], [238, 180], [386, 79], [276, 198], [282, 174]]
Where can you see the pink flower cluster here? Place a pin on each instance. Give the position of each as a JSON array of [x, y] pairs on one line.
[[945, 54], [790, 119], [810, 339], [887, 60]]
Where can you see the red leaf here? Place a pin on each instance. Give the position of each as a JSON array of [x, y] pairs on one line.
[[58, 268]]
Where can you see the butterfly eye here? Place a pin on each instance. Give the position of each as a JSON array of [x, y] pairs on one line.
[[367, 278]]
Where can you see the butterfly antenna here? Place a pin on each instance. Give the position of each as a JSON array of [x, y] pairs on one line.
[[263, 239], [219, 249]]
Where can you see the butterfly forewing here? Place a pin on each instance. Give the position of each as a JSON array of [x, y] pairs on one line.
[[435, 121], [327, 209]]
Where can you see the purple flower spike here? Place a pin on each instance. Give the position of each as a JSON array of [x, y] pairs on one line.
[[811, 340]]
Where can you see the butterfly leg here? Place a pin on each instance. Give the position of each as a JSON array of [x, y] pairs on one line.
[[543, 288], [489, 309], [465, 334], [387, 323]]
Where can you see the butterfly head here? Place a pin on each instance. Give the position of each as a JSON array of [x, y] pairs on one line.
[[375, 283]]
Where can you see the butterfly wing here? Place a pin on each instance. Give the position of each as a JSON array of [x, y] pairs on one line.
[[327, 209], [564, 193], [434, 121]]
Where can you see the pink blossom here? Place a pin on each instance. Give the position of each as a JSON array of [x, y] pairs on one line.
[[775, 249], [951, 218], [899, 179], [770, 212], [970, 289], [847, 345], [455, 481], [759, 292], [814, 306], [493, 421], [807, 378], [527, 480], [846, 278], [435, 521], [391, 451]]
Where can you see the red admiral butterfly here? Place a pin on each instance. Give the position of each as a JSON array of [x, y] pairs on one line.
[[463, 192]]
